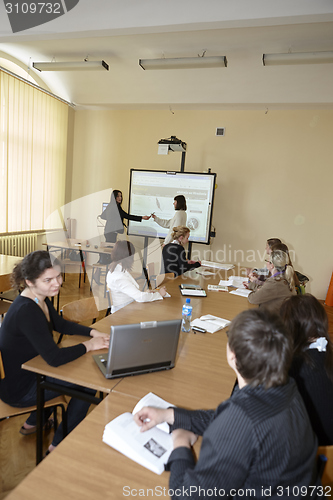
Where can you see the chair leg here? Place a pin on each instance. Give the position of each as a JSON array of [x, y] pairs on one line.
[[64, 421], [55, 418], [105, 287]]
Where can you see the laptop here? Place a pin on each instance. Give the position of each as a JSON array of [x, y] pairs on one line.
[[140, 348]]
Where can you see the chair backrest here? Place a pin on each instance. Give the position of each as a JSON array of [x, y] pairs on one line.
[[80, 310], [7, 411], [4, 306], [2, 370], [327, 476], [161, 278]]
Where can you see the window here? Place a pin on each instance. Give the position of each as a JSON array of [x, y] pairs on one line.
[[33, 145]]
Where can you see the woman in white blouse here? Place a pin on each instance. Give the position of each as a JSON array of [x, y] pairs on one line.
[[179, 219], [124, 289]]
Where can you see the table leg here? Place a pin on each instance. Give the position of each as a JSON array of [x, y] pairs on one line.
[[40, 407]]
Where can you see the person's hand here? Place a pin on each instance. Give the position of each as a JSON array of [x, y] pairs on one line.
[[162, 291], [180, 437], [148, 417], [146, 217], [153, 216], [97, 343], [246, 284], [253, 276], [96, 333], [194, 262]]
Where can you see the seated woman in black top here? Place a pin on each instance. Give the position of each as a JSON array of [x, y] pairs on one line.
[[26, 332], [312, 366], [173, 254]]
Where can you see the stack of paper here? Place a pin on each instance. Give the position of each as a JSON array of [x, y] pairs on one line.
[[217, 265], [210, 323], [217, 288], [204, 272], [237, 281], [224, 283], [193, 293], [243, 292]]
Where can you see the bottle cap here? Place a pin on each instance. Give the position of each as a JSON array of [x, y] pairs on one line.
[[188, 301]]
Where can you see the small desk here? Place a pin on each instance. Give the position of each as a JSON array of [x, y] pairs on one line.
[[82, 371], [77, 246]]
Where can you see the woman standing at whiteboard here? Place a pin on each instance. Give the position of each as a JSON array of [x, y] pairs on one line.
[[179, 219], [115, 215]]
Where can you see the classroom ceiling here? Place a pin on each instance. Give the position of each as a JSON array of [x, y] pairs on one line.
[[123, 32]]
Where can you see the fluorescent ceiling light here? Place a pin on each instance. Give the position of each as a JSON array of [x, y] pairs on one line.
[[71, 66], [297, 58], [184, 63]]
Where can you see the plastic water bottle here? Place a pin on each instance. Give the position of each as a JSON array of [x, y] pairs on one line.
[[186, 316]]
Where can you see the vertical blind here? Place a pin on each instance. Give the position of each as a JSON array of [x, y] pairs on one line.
[[33, 146]]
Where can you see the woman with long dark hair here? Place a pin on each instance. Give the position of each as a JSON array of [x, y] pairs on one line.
[[26, 332], [124, 289], [312, 366], [115, 215]]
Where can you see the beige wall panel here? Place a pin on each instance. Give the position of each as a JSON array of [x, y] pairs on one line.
[[274, 170]]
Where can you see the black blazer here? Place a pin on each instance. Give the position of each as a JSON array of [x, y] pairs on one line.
[[114, 216], [174, 260]]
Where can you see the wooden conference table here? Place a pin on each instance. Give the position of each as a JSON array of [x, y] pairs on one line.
[[82, 466]]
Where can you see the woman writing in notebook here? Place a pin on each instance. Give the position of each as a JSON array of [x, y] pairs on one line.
[[173, 254], [26, 332], [124, 289]]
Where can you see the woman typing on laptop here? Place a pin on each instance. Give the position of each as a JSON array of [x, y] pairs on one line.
[[124, 289], [27, 332]]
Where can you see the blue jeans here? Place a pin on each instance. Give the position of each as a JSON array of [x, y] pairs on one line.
[[76, 409]]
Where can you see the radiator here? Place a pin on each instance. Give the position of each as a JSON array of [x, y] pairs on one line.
[[18, 244]]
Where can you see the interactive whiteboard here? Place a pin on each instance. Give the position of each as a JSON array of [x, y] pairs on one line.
[[153, 191]]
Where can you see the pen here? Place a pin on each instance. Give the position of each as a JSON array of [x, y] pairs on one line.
[[198, 329]]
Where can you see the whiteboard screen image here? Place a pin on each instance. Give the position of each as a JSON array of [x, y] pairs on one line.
[[154, 191]]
